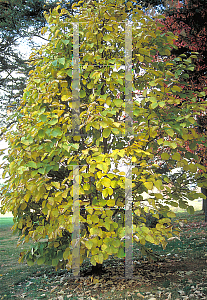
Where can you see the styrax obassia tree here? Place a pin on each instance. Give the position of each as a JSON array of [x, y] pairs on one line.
[[43, 149]]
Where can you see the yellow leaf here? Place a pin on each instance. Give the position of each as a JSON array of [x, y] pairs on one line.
[[134, 159], [113, 184], [23, 206], [165, 156], [99, 258], [104, 247], [111, 202], [65, 98], [56, 244], [89, 209], [109, 213], [148, 185], [105, 193], [192, 168], [86, 186], [158, 184], [149, 238], [110, 191], [56, 184], [171, 214], [176, 88], [103, 167], [94, 218], [176, 156], [122, 173], [93, 262], [89, 244], [106, 182]]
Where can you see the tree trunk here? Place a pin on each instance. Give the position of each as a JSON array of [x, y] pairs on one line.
[[97, 270], [204, 191], [203, 206]]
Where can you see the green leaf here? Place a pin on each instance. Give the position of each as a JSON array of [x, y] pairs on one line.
[[170, 132], [192, 168], [55, 262], [106, 132], [69, 72], [41, 260], [82, 94], [182, 204], [32, 164], [173, 145], [61, 60], [42, 170], [26, 142], [190, 210], [150, 239], [121, 253], [21, 170], [66, 42], [56, 132], [43, 118], [158, 184], [110, 191], [165, 156], [176, 88], [30, 262], [161, 104], [41, 133], [176, 156], [53, 121], [107, 37], [190, 68], [154, 105], [54, 63], [116, 243], [36, 80], [118, 102], [152, 83], [171, 214], [94, 218], [93, 262]]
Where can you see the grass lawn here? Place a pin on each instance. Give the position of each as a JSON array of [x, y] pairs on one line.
[[180, 273]]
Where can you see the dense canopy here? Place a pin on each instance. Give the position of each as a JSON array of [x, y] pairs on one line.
[[53, 169]]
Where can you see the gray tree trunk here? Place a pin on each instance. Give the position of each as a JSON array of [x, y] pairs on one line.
[[204, 191]]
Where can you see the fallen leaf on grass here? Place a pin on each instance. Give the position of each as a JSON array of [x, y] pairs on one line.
[[173, 238], [52, 290], [138, 294]]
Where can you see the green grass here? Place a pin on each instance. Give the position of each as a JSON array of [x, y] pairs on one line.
[[5, 222], [181, 266]]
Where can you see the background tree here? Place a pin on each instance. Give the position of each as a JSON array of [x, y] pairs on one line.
[[188, 20], [20, 27], [43, 149]]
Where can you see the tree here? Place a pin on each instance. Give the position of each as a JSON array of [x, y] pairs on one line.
[[20, 22], [188, 21], [63, 169]]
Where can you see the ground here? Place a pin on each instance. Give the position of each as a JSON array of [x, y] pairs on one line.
[[179, 273]]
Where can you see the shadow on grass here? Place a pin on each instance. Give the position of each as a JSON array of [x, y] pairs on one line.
[[180, 271]]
